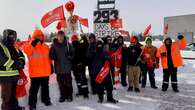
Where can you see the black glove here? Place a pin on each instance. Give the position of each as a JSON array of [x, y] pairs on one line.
[[52, 68], [180, 37], [164, 54], [17, 65], [34, 42]]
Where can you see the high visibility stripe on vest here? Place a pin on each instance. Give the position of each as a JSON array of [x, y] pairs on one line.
[[8, 64], [9, 73], [36, 55]]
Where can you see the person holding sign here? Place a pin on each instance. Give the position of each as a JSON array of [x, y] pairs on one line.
[[101, 66]]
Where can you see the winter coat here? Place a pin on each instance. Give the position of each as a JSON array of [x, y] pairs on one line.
[[62, 54], [80, 53], [91, 53], [98, 62], [16, 54], [39, 62], [133, 54], [150, 56], [175, 53]]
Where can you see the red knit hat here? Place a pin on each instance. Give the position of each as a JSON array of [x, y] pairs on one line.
[[74, 38], [38, 33], [133, 39]]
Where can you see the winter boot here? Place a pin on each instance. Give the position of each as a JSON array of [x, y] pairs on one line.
[[112, 100], [154, 87], [175, 88], [101, 98], [137, 90], [62, 99], [130, 89], [32, 107], [47, 103]]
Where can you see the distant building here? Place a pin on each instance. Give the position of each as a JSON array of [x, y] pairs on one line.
[[184, 24]]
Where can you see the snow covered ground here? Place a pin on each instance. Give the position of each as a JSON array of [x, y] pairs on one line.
[[148, 99]]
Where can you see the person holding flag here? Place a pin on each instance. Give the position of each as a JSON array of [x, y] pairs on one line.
[[151, 61], [171, 59], [102, 68], [124, 60]]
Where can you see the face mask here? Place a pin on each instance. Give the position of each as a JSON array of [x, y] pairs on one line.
[[75, 43], [11, 39]]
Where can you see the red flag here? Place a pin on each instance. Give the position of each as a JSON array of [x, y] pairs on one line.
[[61, 24], [124, 33], [70, 6], [166, 27], [117, 62], [54, 15], [20, 88], [83, 21], [116, 23], [147, 30], [103, 72]]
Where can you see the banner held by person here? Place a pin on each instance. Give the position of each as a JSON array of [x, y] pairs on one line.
[[52, 16], [117, 61], [103, 72]]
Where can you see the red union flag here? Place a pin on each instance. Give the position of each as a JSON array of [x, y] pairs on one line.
[[166, 27], [124, 33], [116, 23], [61, 24], [83, 21], [147, 30], [103, 72], [54, 15]]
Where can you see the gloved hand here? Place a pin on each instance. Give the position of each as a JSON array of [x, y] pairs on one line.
[[34, 42], [156, 65], [52, 68], [17, 65], [164, 54], [180, 37]]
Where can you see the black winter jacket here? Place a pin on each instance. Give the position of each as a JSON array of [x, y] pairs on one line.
[[62, 54]]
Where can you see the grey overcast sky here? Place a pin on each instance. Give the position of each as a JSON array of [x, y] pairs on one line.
[[24, 15]]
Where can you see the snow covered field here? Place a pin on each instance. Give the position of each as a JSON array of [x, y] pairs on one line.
[[148, 99]]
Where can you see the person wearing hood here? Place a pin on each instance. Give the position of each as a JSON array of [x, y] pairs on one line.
[[61, 53], [124, 60], [134, 53], [39, 63], [151, 62], [97, 63], [79, 64], [107, 43], [171, 59], [90, 56], [12, 60]]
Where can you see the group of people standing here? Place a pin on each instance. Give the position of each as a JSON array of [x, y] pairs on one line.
[[64, 58]]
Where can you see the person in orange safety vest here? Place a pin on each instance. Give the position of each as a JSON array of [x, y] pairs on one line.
[[171, 59], [39, 68]]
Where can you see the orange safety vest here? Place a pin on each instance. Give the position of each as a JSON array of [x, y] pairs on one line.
[[39, 62], [175, 53]]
